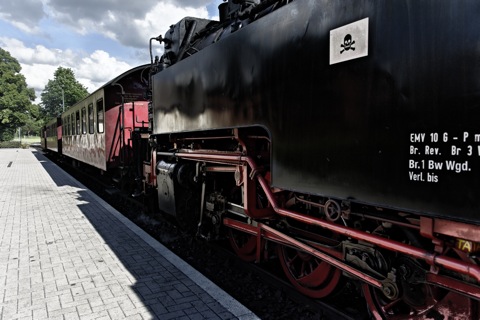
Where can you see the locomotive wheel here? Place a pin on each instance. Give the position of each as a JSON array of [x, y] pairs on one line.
[[309, 275], [415, 302], [244, 244], [421, 301], [436, 304]]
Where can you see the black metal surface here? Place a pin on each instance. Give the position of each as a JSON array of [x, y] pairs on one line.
[[166, 187], [382, 129]]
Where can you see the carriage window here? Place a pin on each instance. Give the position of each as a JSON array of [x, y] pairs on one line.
[[77, 122], [84, 120], [90, 118], [72, 118], [100, 115]]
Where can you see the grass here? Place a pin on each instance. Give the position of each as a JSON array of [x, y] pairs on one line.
[[24, 143], [28, 140]]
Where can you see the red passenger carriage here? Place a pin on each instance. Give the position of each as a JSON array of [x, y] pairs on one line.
[[98, 130]]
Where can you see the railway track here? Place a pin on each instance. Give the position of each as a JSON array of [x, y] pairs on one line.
[[268, 275], [260, 287]]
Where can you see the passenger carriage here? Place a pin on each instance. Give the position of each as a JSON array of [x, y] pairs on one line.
[[98, 130]]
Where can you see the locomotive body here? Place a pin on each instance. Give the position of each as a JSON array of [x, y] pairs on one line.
[[395, 128], [342, 132]]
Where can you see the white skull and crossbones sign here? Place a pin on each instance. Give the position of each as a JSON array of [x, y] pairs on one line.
[[347, 44]]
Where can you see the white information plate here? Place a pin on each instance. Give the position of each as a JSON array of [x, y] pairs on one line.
[[349, 41]]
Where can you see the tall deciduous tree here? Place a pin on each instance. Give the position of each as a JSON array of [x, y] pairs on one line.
[[33, 121], [15, 97], [53, 99]]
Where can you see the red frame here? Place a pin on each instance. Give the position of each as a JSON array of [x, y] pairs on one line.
[[434, 259]]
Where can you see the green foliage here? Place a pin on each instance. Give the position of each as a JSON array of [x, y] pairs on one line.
[[6, 134], [16, 98], [33, 121], [14, 144], [11, 144], [52, 95]]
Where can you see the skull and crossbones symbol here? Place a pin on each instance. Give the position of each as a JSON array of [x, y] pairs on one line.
[[347, 44]]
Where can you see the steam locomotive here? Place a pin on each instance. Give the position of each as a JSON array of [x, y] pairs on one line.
[[340, 137]]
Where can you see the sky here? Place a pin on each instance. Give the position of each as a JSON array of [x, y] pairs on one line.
[[97, 39]]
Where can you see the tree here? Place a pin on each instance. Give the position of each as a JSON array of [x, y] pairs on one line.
[[33, 121], [53, 98], [15, 97]]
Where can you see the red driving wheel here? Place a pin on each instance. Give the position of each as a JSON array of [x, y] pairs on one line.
[[244, 244], [309, 275]]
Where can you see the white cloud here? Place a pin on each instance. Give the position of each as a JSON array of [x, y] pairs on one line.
[[93, 73], [38, 54], [23, 14], [46, 34], [37, 76], [130, 24], [39, 64], [157, 21], [163, 15]]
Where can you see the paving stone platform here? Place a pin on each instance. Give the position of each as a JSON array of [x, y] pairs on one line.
[[66, 254]]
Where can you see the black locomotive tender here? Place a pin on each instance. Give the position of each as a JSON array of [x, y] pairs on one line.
[[342, 134]]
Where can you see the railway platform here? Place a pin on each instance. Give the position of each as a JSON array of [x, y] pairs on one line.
[[66, 254]]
